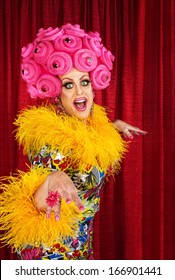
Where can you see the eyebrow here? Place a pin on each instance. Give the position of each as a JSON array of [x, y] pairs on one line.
[[72, 79]]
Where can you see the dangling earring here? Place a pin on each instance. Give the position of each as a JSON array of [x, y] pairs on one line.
[[92, 110], [60, 108]]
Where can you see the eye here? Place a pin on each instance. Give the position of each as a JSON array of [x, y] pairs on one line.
[[68, 85], [85, 83]]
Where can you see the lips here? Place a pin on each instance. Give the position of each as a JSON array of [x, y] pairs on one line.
[[80, 104]]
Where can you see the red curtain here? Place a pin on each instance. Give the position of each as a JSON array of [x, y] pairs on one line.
[[137, 215]]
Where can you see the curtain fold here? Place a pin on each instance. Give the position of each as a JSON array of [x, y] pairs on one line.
[[137, 213]]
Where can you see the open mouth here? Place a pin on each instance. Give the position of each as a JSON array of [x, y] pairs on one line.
[[80, 104]]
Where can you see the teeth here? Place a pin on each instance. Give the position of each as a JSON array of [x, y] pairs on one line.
[[80, 101]]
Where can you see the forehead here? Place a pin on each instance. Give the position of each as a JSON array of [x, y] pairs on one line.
[[74, 74]]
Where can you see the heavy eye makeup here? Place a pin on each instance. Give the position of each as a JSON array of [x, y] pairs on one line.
[[70, 85], [85, 82]]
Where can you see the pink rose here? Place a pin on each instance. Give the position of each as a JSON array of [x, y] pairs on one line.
[[49, 34], [85, 60], [100, 77], [28, 52], [33, 91], [48, 86], [30, 71], [40, 34], [107, 58], [68, 43], [42, 52], [95, 35], [59, 63], [73, 30], [93, 44]]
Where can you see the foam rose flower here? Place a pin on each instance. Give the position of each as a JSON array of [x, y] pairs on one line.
[[33, 92], [49, 34], [68, 43], [59, 63], [30, 71], [100, 77], [95, 35], [85, 60], [40, 34], [42, 52], [107, 58], [73, 29], [27, 52], [93, 43], [48, 86]]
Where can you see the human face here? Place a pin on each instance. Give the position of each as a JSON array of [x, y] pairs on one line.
[[76, 95]]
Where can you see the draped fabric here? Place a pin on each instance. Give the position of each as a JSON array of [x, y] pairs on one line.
[[137, 215]]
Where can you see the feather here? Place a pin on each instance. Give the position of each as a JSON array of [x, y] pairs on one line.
[[22, 223], [94, 143]]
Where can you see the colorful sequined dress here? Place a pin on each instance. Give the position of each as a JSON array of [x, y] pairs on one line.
[[89, 186], [86, 152]]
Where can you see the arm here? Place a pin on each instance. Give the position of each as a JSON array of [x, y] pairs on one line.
[[127, 129]]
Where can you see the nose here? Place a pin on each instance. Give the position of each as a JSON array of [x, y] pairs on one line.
[[79, 90]]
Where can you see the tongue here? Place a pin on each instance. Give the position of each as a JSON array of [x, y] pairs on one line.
[[80, 105]]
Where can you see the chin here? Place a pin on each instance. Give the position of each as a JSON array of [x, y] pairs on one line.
[[82, 115]]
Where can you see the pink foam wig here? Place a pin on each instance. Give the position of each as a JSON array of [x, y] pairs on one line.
[[56, 51]]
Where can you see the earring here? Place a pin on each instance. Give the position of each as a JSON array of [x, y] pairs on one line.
[[60, 107], [92, 110]]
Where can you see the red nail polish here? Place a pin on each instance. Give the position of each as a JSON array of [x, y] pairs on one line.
[[81, 208], [68, 201], [47, 216]]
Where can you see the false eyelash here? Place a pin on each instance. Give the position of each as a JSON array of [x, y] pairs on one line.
[[66, 84], [88, 81]]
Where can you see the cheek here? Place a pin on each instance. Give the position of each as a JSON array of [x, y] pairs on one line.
[[66, 101], [91, 96], [65, 97]]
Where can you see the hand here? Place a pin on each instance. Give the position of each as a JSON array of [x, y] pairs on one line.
[[127, 129], [56, 182]]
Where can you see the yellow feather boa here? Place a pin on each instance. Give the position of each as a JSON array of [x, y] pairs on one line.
[[94, 143], [21, 221]]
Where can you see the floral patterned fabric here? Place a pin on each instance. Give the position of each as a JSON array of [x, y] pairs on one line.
[[88, 185]]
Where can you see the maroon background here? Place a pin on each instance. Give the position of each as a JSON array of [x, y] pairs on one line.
[[137, 215]]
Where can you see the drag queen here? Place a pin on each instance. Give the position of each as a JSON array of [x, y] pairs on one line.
[[48, 212]]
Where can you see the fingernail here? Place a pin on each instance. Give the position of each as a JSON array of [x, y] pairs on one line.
[[47, 216], [131, 137], [68, 201], [81, 208], [57, 218]]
